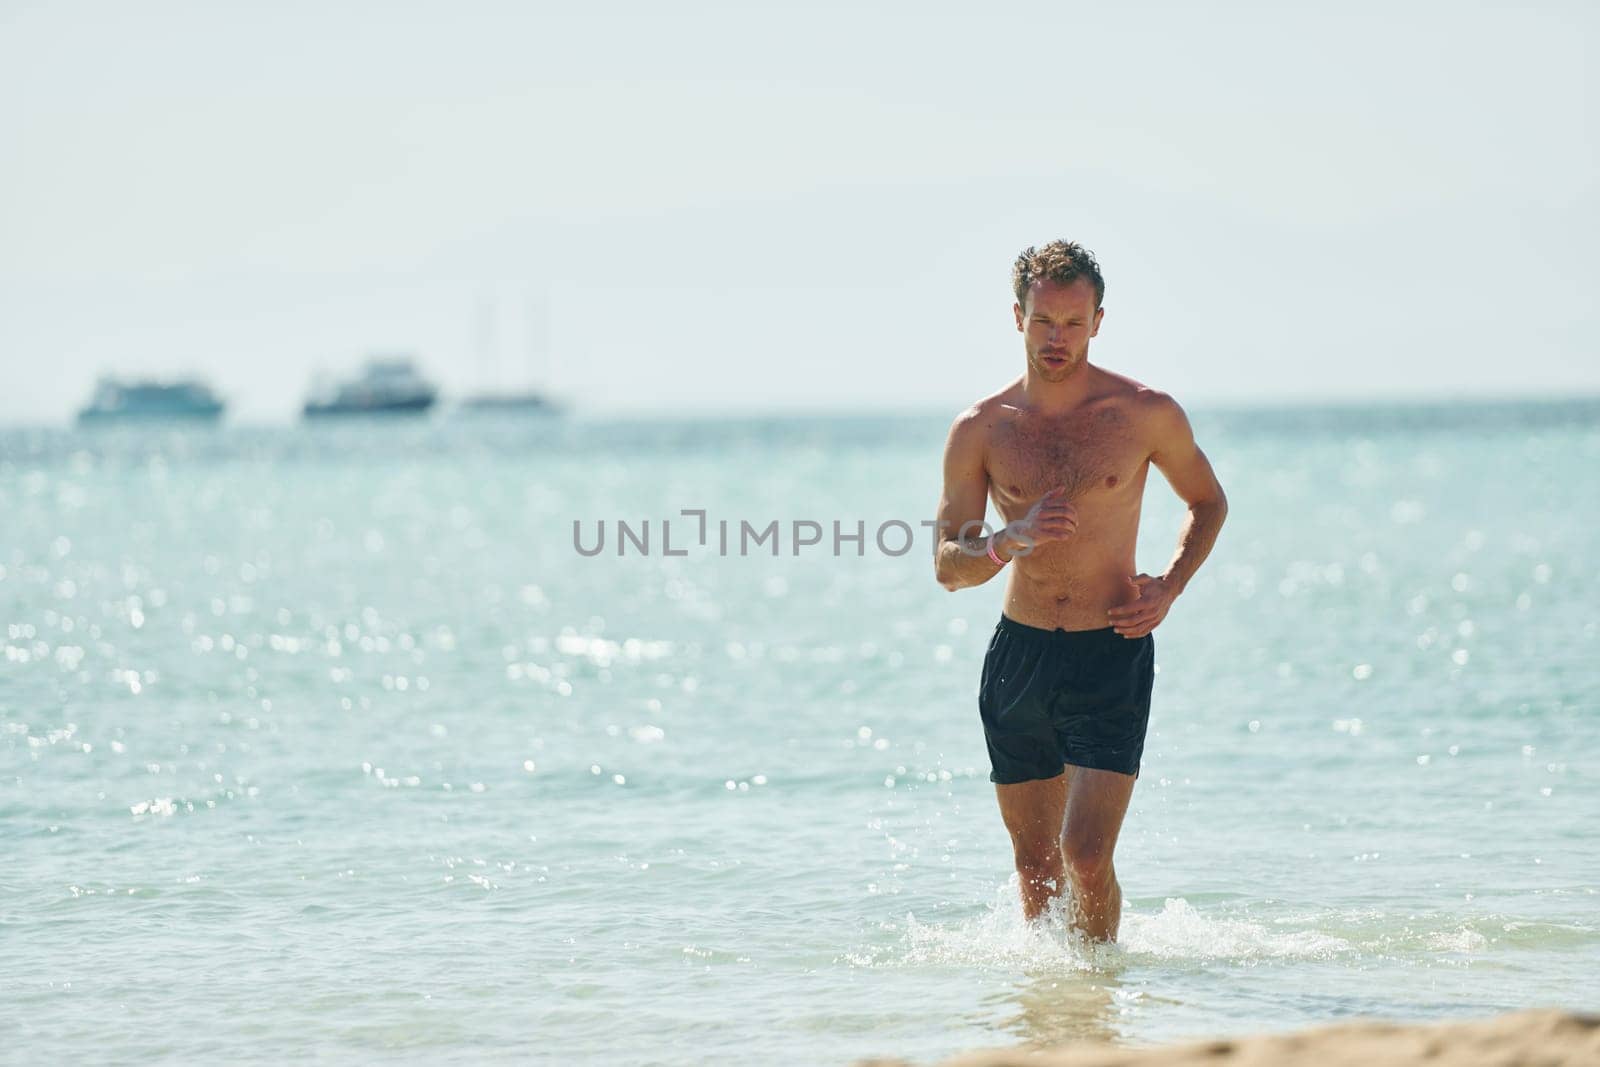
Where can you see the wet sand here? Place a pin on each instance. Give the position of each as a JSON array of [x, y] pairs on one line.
[[1526, 1039]]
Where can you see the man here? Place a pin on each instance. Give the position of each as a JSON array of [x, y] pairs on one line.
[[1065, 694]]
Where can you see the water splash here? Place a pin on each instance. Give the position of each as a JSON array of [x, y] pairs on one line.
[[1179, 931], [1001, 938]]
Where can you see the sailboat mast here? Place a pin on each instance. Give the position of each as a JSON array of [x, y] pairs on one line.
[[537, 335], [485, 340]]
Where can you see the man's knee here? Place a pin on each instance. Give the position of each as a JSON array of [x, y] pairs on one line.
[[1088, 857], [1038, 863]]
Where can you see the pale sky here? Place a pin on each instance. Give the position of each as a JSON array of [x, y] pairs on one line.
[[710, 206]]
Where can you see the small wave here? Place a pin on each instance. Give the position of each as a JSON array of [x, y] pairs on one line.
[[1462, 940], [1178, 931], [1480, 934], [1000, 937]]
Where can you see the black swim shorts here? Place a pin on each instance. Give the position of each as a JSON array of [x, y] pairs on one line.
[[1054, 697]]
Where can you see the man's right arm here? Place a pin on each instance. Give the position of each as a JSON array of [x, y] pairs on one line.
[[963, 561]]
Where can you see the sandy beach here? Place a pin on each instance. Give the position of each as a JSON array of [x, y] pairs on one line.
[[1544, 1038]]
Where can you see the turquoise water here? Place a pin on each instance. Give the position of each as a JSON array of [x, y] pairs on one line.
[[326, 741]]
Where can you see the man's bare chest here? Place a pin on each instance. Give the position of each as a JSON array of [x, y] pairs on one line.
[[1098, 454]]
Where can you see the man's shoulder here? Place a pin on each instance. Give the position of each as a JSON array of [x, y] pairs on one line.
[[1145, 400], [1110, 384], [1160, 422], [980, 416]]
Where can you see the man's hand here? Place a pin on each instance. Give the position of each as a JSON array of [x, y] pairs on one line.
[[1052, 518], [1154, 600]]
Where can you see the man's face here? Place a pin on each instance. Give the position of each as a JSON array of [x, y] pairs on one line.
[[1056, 322]]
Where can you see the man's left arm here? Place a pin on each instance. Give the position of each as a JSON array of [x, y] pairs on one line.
[[1175, 454]]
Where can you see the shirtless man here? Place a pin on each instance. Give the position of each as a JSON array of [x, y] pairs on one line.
[[1065, 694]]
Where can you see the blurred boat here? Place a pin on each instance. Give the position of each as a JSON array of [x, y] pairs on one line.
[[153, 400], [518, 400], [387, 385]]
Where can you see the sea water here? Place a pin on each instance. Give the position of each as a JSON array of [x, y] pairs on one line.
[[328, 741]]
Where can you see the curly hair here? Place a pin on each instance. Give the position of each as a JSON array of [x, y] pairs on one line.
[[1062, 262]]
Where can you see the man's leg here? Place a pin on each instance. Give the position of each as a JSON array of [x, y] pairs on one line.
[[1096, 802], [1033, 813]]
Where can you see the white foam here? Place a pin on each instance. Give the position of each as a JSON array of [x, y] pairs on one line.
[[1001, 938], [1178, 931], [1462, 940]]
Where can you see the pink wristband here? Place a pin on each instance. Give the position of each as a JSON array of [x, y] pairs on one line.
[[997, 559]]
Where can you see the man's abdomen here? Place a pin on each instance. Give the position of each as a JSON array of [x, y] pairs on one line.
[[1056, 587]]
